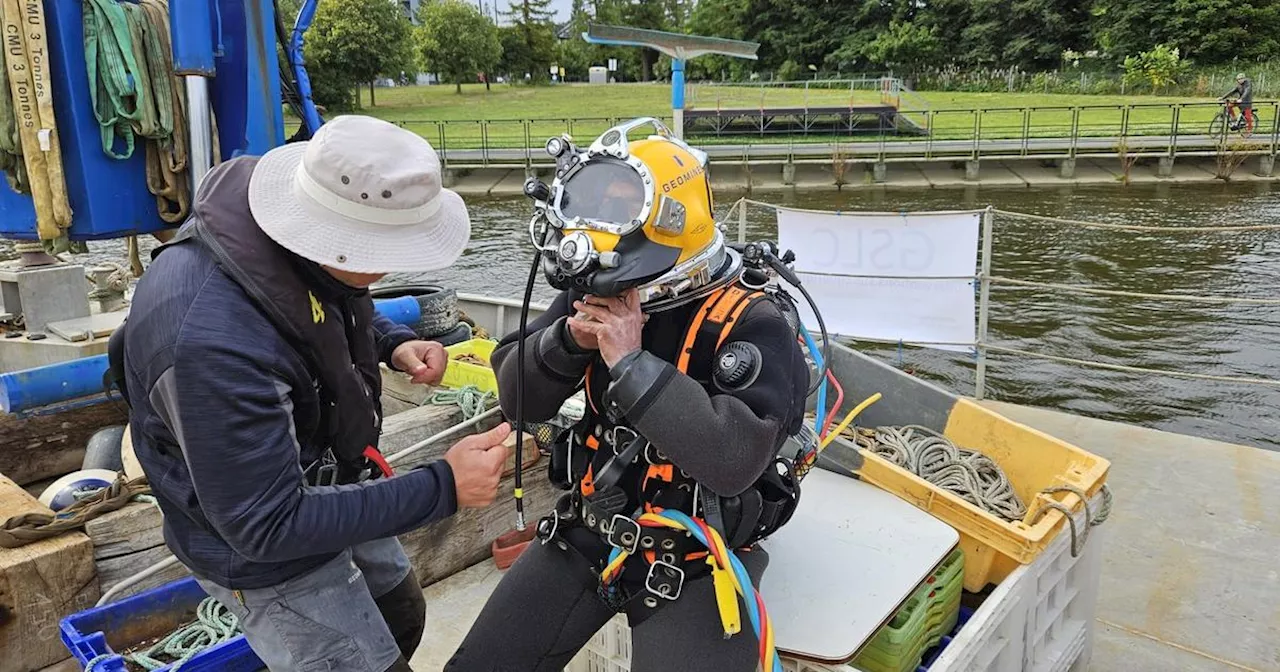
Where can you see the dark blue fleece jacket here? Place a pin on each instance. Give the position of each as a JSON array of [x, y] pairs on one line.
[[225, 416]]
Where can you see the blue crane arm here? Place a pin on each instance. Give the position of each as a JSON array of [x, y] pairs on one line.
[[311, 117]]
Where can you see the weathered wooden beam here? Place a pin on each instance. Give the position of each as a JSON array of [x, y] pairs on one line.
[[114, 570], [136, 527], [49, 446], [39, 584]]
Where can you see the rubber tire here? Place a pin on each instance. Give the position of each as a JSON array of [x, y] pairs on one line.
[[438, 305], [461, 332], [103, 449]]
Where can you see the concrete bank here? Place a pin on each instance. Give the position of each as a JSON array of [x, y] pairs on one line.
[[1189, 579], [728, 175]]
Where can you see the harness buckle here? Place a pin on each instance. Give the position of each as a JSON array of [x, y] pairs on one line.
[[654, 456], [327, 474], [548, 527], [666, 584], [624, 533], [612, 436]]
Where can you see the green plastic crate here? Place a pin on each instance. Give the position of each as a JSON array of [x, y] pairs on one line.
[[930, 612]]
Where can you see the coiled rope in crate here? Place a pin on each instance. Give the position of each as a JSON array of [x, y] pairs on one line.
[[214, 625], [972, 476], [469, 398]]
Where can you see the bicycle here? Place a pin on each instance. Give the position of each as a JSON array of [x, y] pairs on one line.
[[1227, 120]]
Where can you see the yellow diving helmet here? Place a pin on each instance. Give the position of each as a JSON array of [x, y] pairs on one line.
[[623, 214]]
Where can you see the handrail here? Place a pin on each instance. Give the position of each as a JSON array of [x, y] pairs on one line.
[[1050, 131]]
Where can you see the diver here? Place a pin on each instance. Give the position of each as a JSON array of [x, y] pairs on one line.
[[693, 378]]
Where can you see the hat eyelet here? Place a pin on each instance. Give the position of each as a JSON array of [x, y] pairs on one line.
[[342, 258], [364, 196], [346, 180], [386, 194]]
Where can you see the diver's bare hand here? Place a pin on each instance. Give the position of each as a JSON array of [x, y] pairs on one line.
[[583, 338], [616, 323]]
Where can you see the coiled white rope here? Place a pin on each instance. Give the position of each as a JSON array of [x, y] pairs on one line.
[[973, 476]]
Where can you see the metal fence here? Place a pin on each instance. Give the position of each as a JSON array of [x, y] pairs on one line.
[[1047, 132], [983, 347]]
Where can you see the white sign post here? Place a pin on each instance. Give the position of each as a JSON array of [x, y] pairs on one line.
[[613, 65], [896, 278]]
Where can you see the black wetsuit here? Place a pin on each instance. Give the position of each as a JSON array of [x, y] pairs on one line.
[[547, 606]]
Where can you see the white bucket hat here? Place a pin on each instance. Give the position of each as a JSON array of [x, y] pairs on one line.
[[364, 196]]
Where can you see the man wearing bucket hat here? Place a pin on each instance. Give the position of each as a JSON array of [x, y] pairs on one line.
[[250, 362]]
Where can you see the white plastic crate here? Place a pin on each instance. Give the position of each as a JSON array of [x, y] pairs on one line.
[[1039, 619]]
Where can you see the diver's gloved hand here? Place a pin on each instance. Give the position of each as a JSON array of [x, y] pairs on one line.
[[615, 324]]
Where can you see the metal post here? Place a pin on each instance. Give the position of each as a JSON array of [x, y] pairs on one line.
[[984, 299], [201, 125], [677, 96], [193, 60], [742, 221]]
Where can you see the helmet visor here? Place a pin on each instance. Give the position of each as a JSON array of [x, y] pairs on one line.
[[607, 193]]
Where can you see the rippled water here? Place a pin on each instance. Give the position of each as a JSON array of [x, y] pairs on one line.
[[1232, 339]]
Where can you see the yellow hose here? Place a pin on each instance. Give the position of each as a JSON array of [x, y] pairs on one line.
[[31, 87], [848, 419]]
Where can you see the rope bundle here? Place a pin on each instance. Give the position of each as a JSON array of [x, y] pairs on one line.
[[214, 624], [136, 93], [933, 457], [28, 120], [29, 528]]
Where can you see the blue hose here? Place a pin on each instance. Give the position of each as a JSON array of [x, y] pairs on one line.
[[822, 391], [310, 116]]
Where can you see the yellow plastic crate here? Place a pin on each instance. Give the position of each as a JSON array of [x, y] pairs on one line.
[[460, 374], [1031, 459]]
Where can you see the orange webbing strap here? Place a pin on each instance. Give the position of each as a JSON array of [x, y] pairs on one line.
[[686, 349], [737, 312], [723, 309]]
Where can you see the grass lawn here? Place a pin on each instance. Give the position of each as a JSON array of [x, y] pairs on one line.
[[477, 118]]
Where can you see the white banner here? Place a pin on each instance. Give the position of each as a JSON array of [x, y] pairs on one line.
[[922, 268]]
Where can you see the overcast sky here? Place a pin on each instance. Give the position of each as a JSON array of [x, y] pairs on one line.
[[562, 7]]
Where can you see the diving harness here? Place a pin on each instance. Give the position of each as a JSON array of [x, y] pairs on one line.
[[727, 278]]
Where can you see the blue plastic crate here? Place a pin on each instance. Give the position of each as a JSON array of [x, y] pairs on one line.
[[932, 654], [147, 615]]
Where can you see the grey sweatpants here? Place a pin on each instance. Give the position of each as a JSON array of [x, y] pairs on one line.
[[335, 617], [546, 609]]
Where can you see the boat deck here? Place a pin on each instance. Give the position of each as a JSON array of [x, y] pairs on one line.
[[1189, 577], [1189, 580]]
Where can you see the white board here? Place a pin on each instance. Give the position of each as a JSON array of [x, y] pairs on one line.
[[908, 277], [844, 564]]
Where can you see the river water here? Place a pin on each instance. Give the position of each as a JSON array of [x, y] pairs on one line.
[[1214, 339]]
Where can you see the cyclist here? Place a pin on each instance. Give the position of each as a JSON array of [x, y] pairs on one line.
[[1244, 95]]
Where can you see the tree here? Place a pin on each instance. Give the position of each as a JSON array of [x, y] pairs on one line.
[[456, 41], [904, 46], [532, 24], [355, 41], [1160, 67]]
